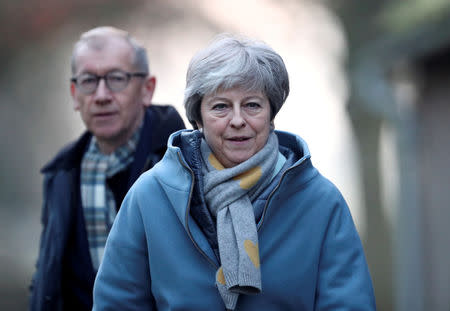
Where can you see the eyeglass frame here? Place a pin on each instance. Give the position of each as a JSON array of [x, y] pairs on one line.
[[128, 75]]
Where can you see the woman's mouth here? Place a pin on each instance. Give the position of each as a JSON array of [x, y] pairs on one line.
[[239, 138]]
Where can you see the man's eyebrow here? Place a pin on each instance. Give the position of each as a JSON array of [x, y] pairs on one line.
[[90, 71]]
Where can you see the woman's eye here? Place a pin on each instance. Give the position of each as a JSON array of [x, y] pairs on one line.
[[253, 105], [219, 106]]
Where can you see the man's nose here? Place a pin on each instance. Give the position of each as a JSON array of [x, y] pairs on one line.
[[102, 93]]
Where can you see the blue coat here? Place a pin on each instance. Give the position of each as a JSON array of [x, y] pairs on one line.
[[62, 218], [158, 258]]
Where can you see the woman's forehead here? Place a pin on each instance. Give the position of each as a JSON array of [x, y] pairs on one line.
[[248, 90]]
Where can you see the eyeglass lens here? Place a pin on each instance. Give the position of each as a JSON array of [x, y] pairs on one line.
[[115, 81]]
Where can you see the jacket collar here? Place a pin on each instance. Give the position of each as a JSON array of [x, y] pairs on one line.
[[186, 141], [151, 140], [70, 156], [293, 144], [182, 150]]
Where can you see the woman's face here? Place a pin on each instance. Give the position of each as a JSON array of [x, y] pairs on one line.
[[236, 124]]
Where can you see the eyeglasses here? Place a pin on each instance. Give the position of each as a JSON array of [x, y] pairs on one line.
[[115, 80]]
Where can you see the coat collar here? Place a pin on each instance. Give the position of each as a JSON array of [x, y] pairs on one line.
[[159, 122], [180, 157]]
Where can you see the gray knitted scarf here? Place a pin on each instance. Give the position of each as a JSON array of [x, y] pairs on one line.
[[228, 193]]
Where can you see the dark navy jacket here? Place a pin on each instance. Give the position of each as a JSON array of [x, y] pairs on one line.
[[64, 277]]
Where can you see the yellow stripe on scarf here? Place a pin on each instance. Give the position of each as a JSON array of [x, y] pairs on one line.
[[247, 179]]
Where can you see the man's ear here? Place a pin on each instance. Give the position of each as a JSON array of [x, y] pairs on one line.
[[148, 90], [76, 105]]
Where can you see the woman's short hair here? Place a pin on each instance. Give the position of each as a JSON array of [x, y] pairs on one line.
[[231, 61]]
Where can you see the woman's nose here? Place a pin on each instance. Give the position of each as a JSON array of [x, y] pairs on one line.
[[237, 119]]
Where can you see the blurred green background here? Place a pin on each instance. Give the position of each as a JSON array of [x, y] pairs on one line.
[[370, 95]]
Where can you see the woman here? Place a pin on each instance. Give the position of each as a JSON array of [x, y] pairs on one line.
[[235, 215]]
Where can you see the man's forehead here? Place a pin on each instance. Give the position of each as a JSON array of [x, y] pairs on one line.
[[113, 53], [103, 43]]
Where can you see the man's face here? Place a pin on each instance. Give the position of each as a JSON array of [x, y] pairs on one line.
[[111, 116]]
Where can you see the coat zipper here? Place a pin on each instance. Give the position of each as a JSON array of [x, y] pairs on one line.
[[187, 214], [274, 190]]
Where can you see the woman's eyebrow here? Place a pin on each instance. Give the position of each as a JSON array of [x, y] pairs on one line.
[[228, 99], [217, 98]]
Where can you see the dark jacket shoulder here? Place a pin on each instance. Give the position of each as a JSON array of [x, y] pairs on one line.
[[159, 122], [164, 120], [69, 156]]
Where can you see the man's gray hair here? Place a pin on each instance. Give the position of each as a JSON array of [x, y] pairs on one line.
[[96, 38], [231, 61]]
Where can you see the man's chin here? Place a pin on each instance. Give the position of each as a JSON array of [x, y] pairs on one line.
[[106, 134]]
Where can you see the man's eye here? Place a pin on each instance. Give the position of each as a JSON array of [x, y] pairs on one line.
[[117, 78], [88, 80]]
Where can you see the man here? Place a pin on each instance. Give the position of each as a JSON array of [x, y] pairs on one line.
[[86, 182]]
